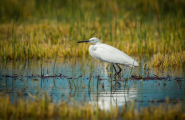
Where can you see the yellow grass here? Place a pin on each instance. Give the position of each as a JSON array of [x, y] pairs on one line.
[[168, 60], [45, 29], [46, 39]]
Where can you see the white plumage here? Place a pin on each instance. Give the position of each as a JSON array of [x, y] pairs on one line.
[[107, 53], [110, 54]]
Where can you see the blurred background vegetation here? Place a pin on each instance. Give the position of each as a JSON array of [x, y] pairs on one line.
[[78, 10], [50, 28]]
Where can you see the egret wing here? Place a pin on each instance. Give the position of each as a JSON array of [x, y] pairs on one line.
[[110, 54]]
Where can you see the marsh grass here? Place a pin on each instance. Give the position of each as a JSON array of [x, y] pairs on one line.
[[43, 108], [44, 29], [35, 44], [168, 60]]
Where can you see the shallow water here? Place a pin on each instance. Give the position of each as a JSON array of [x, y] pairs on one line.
[[82, 79]]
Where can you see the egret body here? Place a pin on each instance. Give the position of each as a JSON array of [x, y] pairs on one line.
[[107, 53]]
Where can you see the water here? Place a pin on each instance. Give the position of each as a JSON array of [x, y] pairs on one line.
[[82, 79]]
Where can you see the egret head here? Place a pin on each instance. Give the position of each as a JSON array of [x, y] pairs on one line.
[[91, 40]]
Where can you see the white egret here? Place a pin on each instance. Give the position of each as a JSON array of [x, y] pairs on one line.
[[107, 53]]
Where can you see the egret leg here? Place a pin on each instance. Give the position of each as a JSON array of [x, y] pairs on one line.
[[114, 68], [119, 69], [115, 71]]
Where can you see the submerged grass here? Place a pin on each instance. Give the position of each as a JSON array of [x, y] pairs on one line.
[[35, 108]]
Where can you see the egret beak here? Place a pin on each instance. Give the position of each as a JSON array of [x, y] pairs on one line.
[[83, 41]]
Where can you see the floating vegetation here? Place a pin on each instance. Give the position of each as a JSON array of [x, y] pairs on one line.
[[43, 108]]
